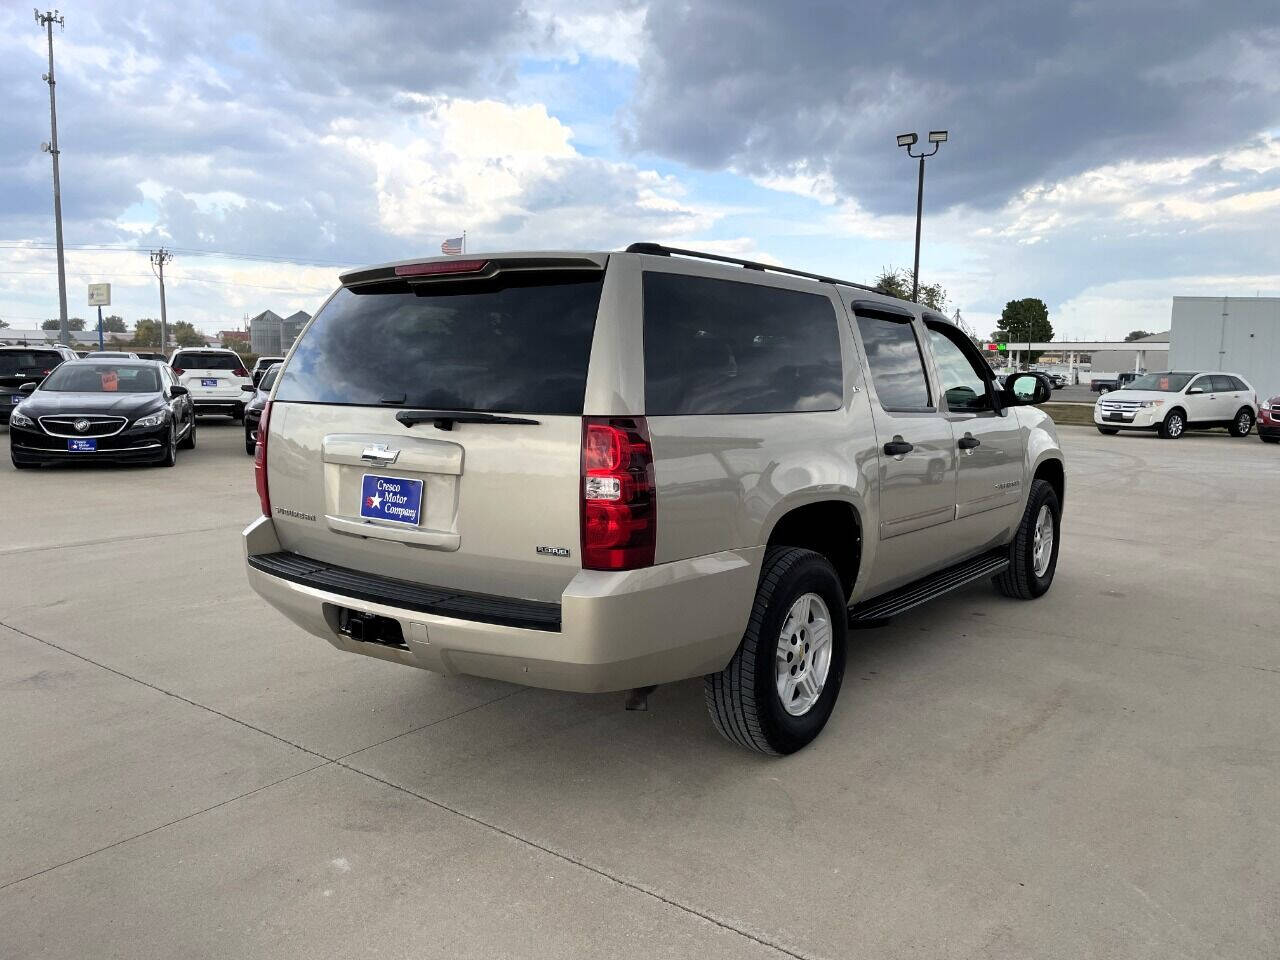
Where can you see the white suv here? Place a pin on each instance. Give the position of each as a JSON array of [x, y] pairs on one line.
[[1171, 403], [215, 379]]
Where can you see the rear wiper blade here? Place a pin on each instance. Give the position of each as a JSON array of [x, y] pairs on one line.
[[445, 419]]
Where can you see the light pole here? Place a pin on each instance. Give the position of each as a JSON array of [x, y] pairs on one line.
[[908, 140], [47, 20]]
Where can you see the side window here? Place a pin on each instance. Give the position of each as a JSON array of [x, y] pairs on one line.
[[963, 387], [1237, 384], [1225, 384], [1204, 383], [897, 368], [719, 346]]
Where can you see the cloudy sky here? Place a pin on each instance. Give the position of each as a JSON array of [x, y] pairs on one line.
[[1104, 156]]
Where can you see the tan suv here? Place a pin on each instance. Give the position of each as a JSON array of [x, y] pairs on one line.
[[606, 471]]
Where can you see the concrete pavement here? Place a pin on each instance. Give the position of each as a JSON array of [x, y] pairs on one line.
[[1095, 774]]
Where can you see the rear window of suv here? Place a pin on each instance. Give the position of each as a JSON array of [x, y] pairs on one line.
[[518, 343], [206, 360], [18, 363], [719, 346]]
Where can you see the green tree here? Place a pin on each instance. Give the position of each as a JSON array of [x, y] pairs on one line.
[[113, 324], [186, 334], [1022, 321], [73, 323], [3, 324], [146, 333], [896, 282], [1137, 335]]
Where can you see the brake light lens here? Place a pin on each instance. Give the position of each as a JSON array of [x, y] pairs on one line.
[[619, 504], [260, 461], [440, 266], [239, 372], [179, 371]]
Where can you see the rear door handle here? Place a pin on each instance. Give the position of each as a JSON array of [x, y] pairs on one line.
[[968, 442], [897, 447]]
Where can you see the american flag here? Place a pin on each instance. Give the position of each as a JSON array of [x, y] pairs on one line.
[[452, 247]]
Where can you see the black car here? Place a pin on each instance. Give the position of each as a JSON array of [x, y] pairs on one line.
[[261, 367], [113, 410], [22, 365], [253, 406]]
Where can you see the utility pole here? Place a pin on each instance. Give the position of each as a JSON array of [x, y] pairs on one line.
[[47, 20], [158, 259]]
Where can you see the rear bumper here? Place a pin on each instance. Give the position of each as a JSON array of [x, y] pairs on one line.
[[617, 630]]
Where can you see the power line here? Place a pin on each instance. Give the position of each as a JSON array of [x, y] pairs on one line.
[[185, 251]]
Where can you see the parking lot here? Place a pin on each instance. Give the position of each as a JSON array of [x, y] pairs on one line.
[[1095, 774]]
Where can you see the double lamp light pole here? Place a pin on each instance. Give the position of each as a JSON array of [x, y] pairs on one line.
[[908, 140]]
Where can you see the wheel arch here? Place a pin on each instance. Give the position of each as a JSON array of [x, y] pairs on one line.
[[831, 526]]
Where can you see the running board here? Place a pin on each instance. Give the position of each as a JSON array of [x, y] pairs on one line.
[[881, 609]]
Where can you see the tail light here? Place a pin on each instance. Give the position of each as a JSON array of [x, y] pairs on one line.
[[178, 371], [260, 461], [619, 505], [239, 372]]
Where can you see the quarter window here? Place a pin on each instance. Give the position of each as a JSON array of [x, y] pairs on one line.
[[897, 367], [719, 346]]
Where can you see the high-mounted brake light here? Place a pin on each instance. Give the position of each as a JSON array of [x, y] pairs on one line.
[[619, 504], [260, 461], [440, 266]]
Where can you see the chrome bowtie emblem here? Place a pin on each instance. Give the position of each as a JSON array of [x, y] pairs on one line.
[[81, 425], [379, 453]]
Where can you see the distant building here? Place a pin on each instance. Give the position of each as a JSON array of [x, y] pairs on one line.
[[228, 337], [271, 335], [1233, 334], [18, 336], [264, 333], [1121, 361]]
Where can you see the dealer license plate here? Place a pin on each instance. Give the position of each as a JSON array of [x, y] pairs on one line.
[[391, 498], [82, 446], [208, 381]]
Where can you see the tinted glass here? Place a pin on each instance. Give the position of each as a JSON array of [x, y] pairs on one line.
[[520, 343], [15, 363], [1162, 382], [80, 377], [1224, 384], [1204, 384], [1237, 383], [719, 346], [894, 358], [962, 384], [205, 360], [269, 378]]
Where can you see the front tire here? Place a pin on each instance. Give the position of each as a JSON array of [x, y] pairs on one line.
[[1174, 425], [1242, 425], [170, 456], [1108, 431], [189, 441], [1033, 555], [249, 442], [778, 691]]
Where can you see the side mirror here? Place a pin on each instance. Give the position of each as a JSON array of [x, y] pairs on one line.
[[28, 388], [177, 390], [1195, 390], [248, 386], [1027, 388]]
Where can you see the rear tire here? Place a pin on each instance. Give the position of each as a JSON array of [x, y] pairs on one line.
[[1174, 425], [1032, 563], [1242, 424], [1108, 431], [797, 588]]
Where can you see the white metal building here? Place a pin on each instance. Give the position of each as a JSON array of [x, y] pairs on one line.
[[1234, 334]]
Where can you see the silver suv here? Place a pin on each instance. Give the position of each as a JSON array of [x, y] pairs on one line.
[[606, 471]]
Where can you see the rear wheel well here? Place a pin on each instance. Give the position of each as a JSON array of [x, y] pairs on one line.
[[831, 528], [1052, 472]]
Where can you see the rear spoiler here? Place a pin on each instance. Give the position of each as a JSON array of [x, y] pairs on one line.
[[462, 268]]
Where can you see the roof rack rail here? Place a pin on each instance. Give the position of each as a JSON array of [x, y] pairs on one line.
[[658, 250]]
